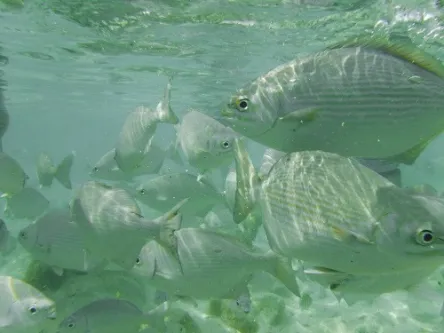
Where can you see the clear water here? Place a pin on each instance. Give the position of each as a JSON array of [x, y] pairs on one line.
[[77, 67]]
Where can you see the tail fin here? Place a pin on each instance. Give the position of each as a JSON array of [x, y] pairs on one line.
[[170, 222], [281, 270], [246, 183], [63, 171], [163, 109]]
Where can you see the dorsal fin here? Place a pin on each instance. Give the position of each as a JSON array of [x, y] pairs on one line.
[[397, 47]]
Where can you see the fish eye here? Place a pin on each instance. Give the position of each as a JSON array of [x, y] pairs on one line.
[[142, 191], [137, 261], [32, 310], [95, 169], [225, 144], [22, 235], [242, 104], [425, 237], [71, 325]]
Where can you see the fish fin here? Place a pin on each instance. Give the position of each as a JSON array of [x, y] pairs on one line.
[[409, 157], [301, 116], [63, 171], [326, 276], [396, 47], [344, 235], [246, 183], [57, 270], [281, 270], [170, 222], [163, 109]]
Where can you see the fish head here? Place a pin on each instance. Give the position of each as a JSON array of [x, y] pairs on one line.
[[414, 224], [145, 262], [251, 111], [35, 310], [74, 324], [28, 236], [220, 144]]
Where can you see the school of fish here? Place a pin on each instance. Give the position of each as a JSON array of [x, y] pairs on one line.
[[159, 228]]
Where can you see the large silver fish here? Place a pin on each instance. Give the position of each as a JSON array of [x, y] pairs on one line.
[[113, 226], [369, 98], [333, 212], [209, 264]]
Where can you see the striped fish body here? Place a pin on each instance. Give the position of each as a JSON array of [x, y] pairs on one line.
[[353, 101], [322, 208]]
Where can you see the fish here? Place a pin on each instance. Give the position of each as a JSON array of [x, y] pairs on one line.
[[209, 264], [107, 169], [7, 241], [13, 178], [58, 242], [47, 171], [356, 98], [138, 130], [332, 212], [160, 192], [23, 307], [27, 204], [205, 142], [112, 316], [112, 224]]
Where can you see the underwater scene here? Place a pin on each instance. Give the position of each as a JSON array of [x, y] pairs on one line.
[[238, 166]]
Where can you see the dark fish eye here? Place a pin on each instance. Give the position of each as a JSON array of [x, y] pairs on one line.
[[225, 144], [95, 169], [425, 237], [32, 310], [137, 260], [22, 235], [71, 325], [242, 104], [142, 191]]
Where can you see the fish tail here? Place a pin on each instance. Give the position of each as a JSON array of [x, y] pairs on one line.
[[169, 223], [281, 269], [163, 109], [246, 183], [63, 171]]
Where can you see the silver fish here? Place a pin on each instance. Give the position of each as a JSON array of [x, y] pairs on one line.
[[209, 264], [113, 226], [161, 192], [358, 98], [368, 227], [206, 143], [24, 308], [111, 316], [47, 171], [138, 131], [58, 242]]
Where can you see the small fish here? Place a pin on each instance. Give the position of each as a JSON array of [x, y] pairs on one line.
[[244, 302], [13, 178], [209, 264], [7, 242], [106, 168], [206, 143], [113, 226], [161, 192], [336, 101], [27, 204], [316, 206], [112, 316], [47, 171], [58, 242], [23, 308], [138, 131]]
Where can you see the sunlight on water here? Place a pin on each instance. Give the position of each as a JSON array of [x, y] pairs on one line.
[[74, 69]]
